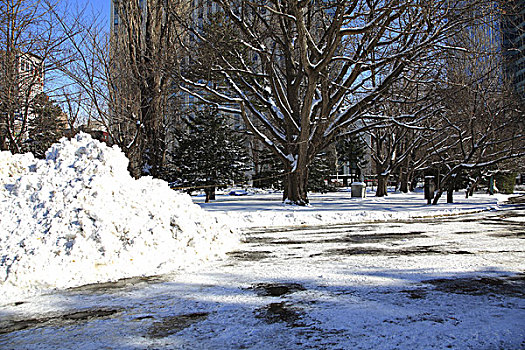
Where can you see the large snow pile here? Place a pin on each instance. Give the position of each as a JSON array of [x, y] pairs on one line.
[[78, 217]]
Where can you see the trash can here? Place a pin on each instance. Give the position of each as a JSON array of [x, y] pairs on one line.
[[358, 189], [429, 188]]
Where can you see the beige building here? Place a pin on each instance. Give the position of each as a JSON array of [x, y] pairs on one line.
[[28, 77], [21, 81], [31, 75]]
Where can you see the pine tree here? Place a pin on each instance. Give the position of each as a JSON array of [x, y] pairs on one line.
[[320, 170], [46, 126], [209, 154], [268, 170], [351, 150]]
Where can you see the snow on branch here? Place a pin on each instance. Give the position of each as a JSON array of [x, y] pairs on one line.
[[207, 88], [246, 101]]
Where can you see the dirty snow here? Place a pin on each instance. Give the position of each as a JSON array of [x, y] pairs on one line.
[[77, 217], [454, 282]]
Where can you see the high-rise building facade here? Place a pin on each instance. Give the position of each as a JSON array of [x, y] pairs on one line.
[[114, 15], [513, 42]]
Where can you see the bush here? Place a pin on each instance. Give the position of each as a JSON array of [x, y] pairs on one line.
[[505, 182]]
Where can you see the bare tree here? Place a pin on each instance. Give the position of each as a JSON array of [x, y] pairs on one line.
[[31, 50], [302, 72], [481, 123], [144, 57], [410, 103], [72, 101], [84, 92], [391, 147], [126, 77], [480, 128]]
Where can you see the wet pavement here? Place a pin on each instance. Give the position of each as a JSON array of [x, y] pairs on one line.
[[456, 281]]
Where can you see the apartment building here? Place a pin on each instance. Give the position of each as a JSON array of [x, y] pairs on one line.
[[21, 80], [28, 76]]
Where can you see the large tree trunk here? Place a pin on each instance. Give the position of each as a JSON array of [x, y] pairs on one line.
[[413, 184], [412, 181], [382, 183], [135, 156], [156, 145], [472, 187], [449, 181], [437, 196], [295, 188], [450, 190], [210, 194], [404, 180]]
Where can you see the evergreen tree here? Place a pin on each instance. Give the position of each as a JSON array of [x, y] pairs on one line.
[[46, 126], [209, 153], [320, 170], [351, 150], [268, 170]]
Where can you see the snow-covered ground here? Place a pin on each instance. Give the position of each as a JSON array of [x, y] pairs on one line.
[[455, 282], [79, 212], [342, 273], [267, 209]]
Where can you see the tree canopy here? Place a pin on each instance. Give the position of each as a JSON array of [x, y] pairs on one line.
[[314, 68]]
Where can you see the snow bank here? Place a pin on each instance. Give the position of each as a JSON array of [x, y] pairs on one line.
[[266, 210], [78, 217], [297, 217]]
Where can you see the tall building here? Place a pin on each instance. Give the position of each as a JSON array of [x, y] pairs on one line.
[[115, 19], [495, 43], [513, 42], [201, 11]]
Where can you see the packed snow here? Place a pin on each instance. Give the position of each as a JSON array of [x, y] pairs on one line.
[[454, 282], [78, 217], [264, 209]]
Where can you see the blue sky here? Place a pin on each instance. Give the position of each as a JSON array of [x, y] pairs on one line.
[[102, 6]]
